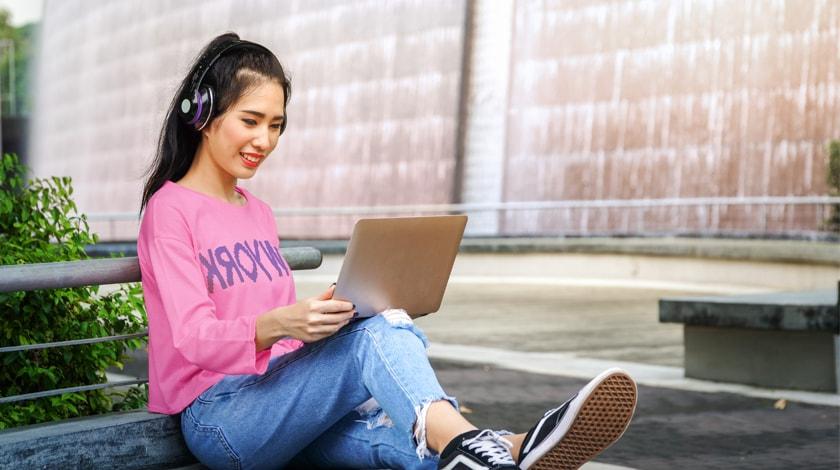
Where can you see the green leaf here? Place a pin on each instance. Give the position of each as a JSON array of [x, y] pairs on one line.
[[39, 222]]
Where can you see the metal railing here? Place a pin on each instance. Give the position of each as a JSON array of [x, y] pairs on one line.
[[112, 218], [523, 206], [26, 277]]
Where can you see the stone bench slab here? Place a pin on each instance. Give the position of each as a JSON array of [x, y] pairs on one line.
[[785, 340], [126, 440], [786, 311]]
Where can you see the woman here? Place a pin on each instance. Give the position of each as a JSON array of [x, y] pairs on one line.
[[262, 380]]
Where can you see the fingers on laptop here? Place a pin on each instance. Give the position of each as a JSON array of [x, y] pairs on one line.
[[335, 318], [334, 306]]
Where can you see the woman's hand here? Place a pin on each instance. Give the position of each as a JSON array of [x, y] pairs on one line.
[[317, 317], [308, 320]]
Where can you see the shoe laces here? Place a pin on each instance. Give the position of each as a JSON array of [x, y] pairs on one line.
[[492, 446]]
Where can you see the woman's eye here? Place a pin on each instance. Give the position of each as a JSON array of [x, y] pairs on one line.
[[250, 122], [275, 126]]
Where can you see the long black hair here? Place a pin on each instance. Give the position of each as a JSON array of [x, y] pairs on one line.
[[179, 141]]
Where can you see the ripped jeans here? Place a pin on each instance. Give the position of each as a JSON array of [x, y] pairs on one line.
[[315, 408]]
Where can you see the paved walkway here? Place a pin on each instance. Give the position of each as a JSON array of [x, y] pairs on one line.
[[512, 340], [671, 428], [539, 335]]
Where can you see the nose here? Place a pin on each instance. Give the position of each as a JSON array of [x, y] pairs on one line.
[[262, 140]]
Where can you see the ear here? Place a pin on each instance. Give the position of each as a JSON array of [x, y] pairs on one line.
[[211, 128]]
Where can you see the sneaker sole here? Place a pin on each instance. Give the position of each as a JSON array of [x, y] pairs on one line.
[[596, 418]]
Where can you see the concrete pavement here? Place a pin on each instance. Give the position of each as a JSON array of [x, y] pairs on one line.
[[671, 428], [517, 334], [567, 316]]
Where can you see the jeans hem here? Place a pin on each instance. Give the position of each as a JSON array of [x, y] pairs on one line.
[[422, 447]]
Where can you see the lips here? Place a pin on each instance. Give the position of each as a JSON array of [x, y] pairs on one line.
[[251, 160]]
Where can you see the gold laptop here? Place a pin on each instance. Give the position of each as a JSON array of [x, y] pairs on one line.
[[400, 262]]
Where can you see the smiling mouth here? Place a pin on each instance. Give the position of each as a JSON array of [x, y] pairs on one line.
[[254, 161], [250, 158]]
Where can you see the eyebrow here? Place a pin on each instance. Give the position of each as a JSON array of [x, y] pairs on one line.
[[260, 115]]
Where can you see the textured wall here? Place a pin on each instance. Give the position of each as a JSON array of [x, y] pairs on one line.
[[566, 100], [372, 116], [486, 117], [374, 111], [661, 99]]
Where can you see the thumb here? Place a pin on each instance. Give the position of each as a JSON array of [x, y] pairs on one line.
[[327, 295]]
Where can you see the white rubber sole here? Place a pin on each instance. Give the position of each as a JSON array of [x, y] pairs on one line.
[[595, 419]]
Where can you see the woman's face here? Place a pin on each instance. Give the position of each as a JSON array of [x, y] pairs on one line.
[[239, 140]]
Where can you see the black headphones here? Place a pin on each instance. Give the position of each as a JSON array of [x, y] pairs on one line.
[[196, 104]]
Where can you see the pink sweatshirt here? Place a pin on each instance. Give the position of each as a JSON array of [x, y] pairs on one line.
[[209, 268]]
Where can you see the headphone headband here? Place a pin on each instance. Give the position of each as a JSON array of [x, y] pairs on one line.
[[216, 53], [194, 99]]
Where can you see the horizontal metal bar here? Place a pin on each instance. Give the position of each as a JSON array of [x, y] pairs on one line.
[[72, 342], [549, 205], [24, 277], [61, 391], [523, 205]]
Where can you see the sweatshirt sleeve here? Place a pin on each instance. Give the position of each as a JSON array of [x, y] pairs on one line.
[[224, 346]]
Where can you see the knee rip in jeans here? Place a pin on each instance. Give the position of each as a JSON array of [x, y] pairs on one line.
[[374, 417], [398, 318]]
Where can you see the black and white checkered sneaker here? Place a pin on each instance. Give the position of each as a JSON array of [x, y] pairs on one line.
[[584, 426], [478, 450]]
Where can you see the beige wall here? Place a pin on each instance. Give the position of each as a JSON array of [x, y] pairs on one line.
[[671, 99], [374, 110], [372, 118], [620, 99]]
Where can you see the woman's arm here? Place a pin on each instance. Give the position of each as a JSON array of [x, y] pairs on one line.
[[181, 312], [308, 320]]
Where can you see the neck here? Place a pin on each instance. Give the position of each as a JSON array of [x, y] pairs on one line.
[[207, 177]]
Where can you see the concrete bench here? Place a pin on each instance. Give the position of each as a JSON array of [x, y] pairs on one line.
[[778, 340], [129, 440], [126, 440]]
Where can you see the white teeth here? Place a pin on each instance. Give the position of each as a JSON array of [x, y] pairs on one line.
[[250, 159]]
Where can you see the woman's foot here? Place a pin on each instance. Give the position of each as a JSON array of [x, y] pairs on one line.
[[478, 450], [582, 427]]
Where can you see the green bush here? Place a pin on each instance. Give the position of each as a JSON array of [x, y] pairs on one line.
[[40, 223], [833, 177]]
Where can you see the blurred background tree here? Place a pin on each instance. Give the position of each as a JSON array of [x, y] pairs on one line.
[[833, 176], [16, 48]]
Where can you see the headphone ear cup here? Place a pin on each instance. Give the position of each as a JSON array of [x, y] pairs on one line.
[[188, 107], [196, 110], [206, 98]]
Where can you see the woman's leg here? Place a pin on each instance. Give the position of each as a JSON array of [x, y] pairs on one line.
[[358, 441], [258, 421]]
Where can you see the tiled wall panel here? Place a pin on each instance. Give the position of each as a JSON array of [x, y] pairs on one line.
[[633, 99], [619, 99], [372, 119]]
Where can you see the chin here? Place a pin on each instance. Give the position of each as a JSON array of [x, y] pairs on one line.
[[244, 173]]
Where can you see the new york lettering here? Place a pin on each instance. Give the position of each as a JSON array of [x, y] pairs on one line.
[[227, 266]]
